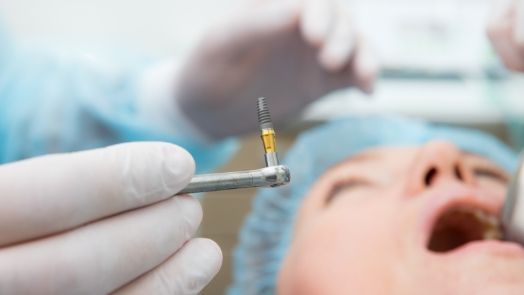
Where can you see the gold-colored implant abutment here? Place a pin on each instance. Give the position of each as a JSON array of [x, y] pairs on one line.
[[269, 140]]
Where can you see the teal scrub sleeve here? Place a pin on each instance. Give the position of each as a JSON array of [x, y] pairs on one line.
[[59, 101]]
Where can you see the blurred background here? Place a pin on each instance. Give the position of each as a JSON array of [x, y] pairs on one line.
[[438, 65]]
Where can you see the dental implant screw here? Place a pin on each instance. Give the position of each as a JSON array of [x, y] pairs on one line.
[[267, 133], [264, 118]]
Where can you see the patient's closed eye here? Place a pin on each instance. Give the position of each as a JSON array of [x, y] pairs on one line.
[[346, 186], [491, 174]]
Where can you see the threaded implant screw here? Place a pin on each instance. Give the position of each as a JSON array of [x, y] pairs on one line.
[[264, 119]]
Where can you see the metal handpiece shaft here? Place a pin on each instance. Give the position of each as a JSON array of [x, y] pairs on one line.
[[272, 175], [269, 176], [513, 210]]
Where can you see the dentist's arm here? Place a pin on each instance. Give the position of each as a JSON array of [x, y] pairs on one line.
[[103, 220]]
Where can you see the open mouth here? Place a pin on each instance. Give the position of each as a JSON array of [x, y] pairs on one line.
[[460, 225]]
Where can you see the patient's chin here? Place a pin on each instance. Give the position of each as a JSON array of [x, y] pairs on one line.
[[470, 274], [479, 274], [491, 284]]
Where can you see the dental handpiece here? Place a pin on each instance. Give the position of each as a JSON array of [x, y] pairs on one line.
[[513, 210], [272, 175]]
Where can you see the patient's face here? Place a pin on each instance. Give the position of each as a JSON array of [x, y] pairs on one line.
[[408, 220]]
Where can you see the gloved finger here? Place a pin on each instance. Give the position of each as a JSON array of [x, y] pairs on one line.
[[502, 33], [187, 272], [362, 71], [519, 26], [54, 193], [365, 67], [499, 11], [316, 21], [509, 53], [339, 47], [502, 39], [103, 256]]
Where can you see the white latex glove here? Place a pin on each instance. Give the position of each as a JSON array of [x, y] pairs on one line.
[[289, 51], [103, 220], [506, 31]]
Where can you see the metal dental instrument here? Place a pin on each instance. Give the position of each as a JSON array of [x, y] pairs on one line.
[[272, 175], [513, 210]]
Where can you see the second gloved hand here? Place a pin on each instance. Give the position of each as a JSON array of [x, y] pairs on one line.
[[290, 51], [103, 221]]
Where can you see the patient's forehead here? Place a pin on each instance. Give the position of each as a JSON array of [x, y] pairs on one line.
[[399, 156]]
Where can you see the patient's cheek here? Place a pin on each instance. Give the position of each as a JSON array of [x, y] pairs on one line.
[[339, 250]]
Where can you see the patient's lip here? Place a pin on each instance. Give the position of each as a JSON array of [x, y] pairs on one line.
[[494, 247], [441, 199]]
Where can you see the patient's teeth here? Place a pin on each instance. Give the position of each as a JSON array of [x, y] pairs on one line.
[[461, 225], [491, 224]]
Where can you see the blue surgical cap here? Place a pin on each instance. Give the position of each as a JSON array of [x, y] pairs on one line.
[[266, 233]]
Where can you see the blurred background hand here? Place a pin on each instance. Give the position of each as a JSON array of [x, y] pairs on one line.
[[291, 52]]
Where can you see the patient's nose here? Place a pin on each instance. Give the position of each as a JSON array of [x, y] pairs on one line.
[[437, 161]]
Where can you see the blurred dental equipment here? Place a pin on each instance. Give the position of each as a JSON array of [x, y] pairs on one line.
[[513, 210], [272, 175]]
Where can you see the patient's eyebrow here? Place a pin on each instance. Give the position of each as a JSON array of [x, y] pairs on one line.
[[360, 157], [346, 183]]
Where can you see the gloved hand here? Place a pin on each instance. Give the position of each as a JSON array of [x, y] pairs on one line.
[[101, 221], [506, 31], [289, 51]]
